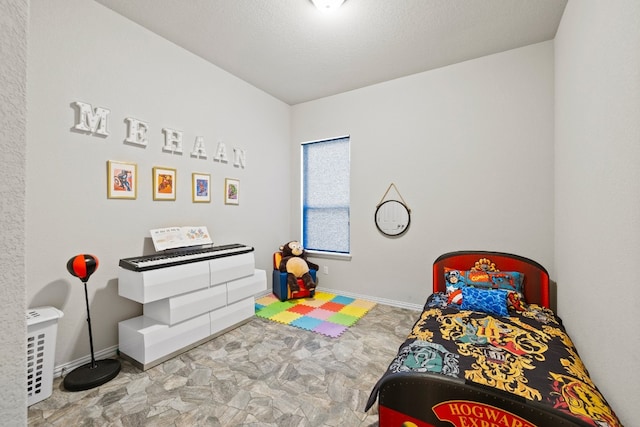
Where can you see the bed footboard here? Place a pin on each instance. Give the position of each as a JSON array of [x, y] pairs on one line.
[[426, 400]]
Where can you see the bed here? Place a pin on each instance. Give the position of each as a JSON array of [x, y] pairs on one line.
[[487, 351]]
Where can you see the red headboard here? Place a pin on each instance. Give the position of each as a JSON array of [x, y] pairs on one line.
[[536, 278]]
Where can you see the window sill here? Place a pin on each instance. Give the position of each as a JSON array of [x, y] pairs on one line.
[[328, 255]]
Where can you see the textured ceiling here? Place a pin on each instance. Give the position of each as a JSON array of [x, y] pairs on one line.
[[294, 52]]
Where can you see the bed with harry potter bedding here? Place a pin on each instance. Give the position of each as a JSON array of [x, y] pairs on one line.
[[487, 351]]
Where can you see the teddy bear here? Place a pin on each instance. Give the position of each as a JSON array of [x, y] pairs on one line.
[[294, 263]]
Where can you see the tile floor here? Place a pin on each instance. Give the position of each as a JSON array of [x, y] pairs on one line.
[[260, 374]]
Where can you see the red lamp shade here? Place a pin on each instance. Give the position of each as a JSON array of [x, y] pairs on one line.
[[82, 266]]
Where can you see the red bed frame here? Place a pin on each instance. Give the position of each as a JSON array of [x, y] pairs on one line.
[[433, 400]]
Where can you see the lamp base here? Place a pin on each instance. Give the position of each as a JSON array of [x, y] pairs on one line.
[[86, 376]]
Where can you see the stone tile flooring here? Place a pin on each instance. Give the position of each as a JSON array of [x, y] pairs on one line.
[[260, 374]]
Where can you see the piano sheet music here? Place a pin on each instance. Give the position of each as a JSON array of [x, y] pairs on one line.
[[180, 237]]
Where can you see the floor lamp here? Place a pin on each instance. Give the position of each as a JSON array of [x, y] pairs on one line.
[[96, 372]]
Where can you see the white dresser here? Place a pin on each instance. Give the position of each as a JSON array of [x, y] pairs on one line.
[[186, 305]]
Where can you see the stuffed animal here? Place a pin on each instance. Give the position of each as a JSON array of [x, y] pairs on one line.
[[294, 263]]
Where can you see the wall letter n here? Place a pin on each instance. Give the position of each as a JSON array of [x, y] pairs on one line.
[[91, 120], [239, 157]]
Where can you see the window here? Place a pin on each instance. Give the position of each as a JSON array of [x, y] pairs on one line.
[[325, 195]]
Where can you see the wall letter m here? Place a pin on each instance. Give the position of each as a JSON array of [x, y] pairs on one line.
[[91, 120]]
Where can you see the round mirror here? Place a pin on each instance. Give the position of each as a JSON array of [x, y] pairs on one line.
[[392, 218]]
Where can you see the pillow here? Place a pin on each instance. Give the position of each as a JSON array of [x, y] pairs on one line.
[[507, 280], [454, 279], [511, 281], [492, 301], [515, 301], [455, 297]]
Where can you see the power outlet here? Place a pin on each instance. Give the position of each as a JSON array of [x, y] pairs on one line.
[[325, 269]]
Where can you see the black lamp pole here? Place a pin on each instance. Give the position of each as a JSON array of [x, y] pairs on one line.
[[86, 300]]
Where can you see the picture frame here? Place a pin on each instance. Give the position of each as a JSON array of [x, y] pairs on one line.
[[164, 183], [122, 180], [231, 191], [200, 187]]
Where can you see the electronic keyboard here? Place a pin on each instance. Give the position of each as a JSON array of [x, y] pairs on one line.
[[182, 256]]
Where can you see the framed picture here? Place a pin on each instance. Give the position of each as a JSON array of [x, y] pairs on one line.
[[164, 183], [200, 187], [122, 180], [231, 191]]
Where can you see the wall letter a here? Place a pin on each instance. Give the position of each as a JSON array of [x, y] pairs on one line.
[[198, 148], [221, 153]]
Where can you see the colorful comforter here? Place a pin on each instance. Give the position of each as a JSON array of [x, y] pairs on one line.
[[528, 354]]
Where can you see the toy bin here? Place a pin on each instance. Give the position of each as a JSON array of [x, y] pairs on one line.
[[42, 326]]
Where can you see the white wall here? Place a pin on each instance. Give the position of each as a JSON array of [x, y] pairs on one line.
[[82, 51], [597, 56], [469, 147], [14, 19]]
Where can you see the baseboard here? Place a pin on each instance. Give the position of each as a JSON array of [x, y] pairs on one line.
[[384, 301], [61, 370]]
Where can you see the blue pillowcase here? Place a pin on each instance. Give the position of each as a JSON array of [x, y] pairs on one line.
[[492, 301]]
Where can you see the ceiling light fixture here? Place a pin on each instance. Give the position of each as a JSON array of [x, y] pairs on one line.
[[327, 5]]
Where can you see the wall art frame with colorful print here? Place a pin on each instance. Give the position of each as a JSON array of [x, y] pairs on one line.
[[200, 187], [122, 180], [164, 183], [231, 191]]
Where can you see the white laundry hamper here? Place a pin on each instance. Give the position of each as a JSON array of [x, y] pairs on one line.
[[42, 327]]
